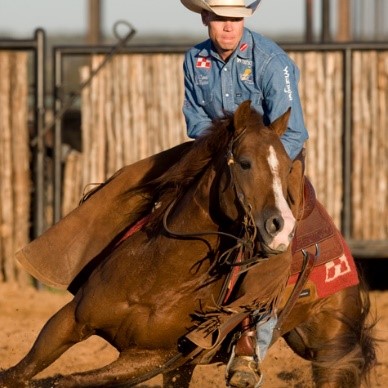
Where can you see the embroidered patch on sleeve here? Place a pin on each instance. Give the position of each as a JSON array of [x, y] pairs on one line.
[[204, 62]]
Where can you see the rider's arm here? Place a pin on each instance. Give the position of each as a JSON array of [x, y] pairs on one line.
[[197, 120], [280, 92]]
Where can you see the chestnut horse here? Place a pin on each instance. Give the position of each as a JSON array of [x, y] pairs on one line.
[[234, 194]]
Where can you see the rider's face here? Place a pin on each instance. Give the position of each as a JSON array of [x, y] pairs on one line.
[[225, 32]]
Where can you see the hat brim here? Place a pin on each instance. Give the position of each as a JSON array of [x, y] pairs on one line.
[[199, 5]]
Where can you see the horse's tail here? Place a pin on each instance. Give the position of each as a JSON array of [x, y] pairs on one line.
[[368, 341], [351, 355]]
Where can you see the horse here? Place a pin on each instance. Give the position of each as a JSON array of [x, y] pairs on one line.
[[234, 194]]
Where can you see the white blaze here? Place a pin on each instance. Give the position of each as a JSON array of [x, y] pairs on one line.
[[282, 239]]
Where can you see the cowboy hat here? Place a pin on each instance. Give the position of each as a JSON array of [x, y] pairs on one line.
[[228, 8]]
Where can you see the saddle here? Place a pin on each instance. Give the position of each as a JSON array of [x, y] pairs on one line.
[[315, 230]]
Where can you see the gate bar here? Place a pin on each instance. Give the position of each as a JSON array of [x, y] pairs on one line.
[[38, 46]]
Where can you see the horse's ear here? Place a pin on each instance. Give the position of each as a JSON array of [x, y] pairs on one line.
[[280, 124], [295, 184], [241, 116]]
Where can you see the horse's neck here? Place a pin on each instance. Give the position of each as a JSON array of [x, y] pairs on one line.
[[192, 211]]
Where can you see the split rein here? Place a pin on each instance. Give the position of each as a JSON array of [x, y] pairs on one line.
[[244, 259]]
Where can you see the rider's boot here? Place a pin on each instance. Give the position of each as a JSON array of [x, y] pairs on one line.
[[243, 369]]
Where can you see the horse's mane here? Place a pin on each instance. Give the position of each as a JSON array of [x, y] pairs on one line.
[[172, 184], [179, 176], [206, 148], [184, 171]]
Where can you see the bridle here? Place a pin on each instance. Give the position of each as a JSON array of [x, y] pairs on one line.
[[245, 258], [244, 244]]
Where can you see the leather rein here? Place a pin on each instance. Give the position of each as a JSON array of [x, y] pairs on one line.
[[245, 244], [245, 259]]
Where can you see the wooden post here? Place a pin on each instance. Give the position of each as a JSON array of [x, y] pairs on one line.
[[325, 32], [309, 37], [94, 22], [343, 21]]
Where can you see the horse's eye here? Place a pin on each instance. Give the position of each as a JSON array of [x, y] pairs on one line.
[[245, 164]]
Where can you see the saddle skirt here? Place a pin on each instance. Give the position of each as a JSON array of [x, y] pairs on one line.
[[334, 268]]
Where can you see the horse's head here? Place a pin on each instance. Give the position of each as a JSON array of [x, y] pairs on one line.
[[263, 180], [257, 180]]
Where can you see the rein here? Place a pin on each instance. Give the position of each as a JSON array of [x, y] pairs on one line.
[[197, 234], [244, 246], [239, 192]]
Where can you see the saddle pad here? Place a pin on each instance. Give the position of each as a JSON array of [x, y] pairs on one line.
[[330, 277], [317, 228]]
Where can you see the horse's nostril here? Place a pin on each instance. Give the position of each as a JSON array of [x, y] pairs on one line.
[[274, 225]]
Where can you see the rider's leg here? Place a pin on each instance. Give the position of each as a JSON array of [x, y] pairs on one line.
[[243, 369], [264, 332]]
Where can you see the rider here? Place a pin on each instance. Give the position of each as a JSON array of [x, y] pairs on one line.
[[233, 65]]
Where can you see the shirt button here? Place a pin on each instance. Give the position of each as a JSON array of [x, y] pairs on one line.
[[227, 95], [225, 69]]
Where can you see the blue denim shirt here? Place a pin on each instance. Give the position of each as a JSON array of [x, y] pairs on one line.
[[258, 70]]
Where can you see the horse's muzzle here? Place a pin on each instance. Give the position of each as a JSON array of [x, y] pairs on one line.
[[276, 232]]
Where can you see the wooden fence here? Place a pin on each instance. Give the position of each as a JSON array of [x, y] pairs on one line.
[[321, 92], [15, 181], [370, 145], [133, 109], [130, 111]]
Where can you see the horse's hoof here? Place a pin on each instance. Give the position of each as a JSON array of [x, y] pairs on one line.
[[244, 372]]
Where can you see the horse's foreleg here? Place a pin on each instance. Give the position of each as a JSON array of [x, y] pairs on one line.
[[58, 334], [131, 365]]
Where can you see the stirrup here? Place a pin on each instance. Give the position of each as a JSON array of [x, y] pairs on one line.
[[243, 372]]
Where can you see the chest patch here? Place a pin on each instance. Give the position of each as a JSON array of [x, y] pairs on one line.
[[246, 76], [204, 62], [201, 79]]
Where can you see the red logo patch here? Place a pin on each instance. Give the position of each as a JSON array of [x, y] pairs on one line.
[[204, 62], [244, 46]]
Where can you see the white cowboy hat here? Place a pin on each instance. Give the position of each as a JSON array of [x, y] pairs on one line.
[[228, 8]]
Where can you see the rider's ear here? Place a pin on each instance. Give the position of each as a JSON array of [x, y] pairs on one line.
[[205, 17]]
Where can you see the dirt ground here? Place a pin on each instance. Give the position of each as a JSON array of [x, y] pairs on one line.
[[24, 311]]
